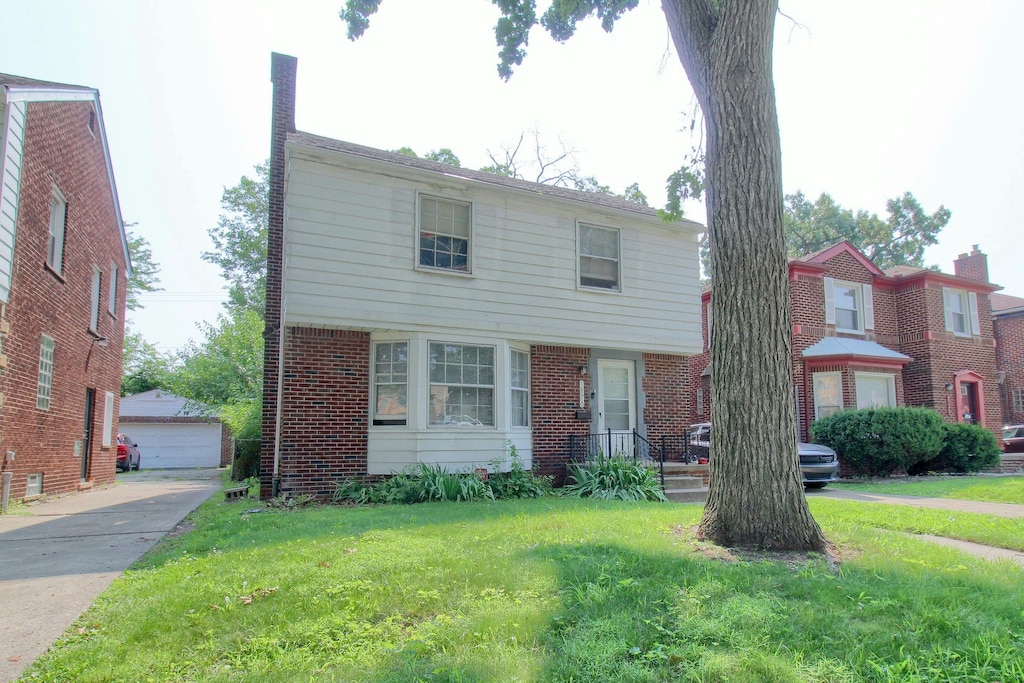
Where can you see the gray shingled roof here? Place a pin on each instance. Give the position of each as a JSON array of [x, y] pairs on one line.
[[1005, 303], [21, 81], [602, 200]]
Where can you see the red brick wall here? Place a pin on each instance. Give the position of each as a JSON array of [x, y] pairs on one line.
[[1009, 334], [325, 410], [667, 410], [555, 393], [60, 150]]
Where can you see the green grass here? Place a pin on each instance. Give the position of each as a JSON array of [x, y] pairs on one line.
[[987, 489], [550, 589]]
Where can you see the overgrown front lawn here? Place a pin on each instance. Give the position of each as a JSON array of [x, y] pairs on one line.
[[982, 488], [542, 590]]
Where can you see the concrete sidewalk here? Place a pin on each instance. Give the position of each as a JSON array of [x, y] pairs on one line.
[[56, 558]]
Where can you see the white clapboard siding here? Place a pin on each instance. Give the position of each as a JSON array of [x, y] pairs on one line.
[[351, 250], [391, 452], [12, 134]]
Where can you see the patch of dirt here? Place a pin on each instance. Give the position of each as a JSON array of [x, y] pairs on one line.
[[180, 529], [795, 560]]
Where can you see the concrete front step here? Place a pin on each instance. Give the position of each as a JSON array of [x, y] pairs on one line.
[[686, 495], [680, 481]]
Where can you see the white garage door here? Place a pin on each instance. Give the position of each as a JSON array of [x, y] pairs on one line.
[[164, 446]]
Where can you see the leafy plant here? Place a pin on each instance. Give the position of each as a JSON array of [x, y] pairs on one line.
[[518, 482], [965, 448], [615, 478], [881, 441], [437, 483]]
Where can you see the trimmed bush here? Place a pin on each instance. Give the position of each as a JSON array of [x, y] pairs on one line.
[[965, 448], [881, 441], [615, 478]]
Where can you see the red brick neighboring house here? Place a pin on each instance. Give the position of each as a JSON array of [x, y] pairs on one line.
[[1008, 325], [422, 313], [863, 337], [63, 269]]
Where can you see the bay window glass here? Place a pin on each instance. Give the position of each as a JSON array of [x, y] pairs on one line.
[[461, 384], [390, 383]]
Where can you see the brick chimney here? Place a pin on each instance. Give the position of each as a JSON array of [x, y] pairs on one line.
[[973, 265]]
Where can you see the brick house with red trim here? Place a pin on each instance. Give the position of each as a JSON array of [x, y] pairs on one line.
[[863, 337], [64, 266], [1008, 328], [423, 313]]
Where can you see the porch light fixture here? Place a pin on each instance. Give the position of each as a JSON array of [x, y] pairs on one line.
[[583, 369], [949, 386], [96, 341]]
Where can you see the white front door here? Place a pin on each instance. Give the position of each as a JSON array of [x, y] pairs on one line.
[[616, 405]]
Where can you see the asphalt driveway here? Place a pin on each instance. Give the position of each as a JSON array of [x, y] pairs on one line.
[[56, 558]]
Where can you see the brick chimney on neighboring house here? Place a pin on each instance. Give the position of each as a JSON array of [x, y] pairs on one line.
[[973, 265]]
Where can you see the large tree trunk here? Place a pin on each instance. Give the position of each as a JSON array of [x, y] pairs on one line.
[[756, 497]]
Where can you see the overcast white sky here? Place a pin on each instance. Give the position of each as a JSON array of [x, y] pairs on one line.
[[875, 98]]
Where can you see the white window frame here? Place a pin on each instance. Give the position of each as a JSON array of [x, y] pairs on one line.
[[112, 290], [57, 230], [864, 305], [387, 372], [44, 389], [818, 379], [890, 385], [519, 388], [94, 311], [437, 231], [708, 318], [969, 310], [582, 258], [1018, 400], [108, 419], [464, 418]]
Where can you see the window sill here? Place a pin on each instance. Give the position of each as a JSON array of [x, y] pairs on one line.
[[444, 271], [599, 290], [53, 272]]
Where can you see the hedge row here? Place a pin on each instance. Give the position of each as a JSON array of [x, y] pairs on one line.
[[883, 441]]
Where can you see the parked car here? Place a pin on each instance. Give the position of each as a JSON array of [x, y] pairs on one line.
[[128, 455], [1013, 439], [818, 464]]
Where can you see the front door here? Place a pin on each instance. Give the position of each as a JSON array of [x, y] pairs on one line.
[[90, 400], [969, 396], [616, 405]]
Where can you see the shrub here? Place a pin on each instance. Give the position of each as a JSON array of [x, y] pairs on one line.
[[881, 441], [518, 482], [420, 484], [965, 448], [615, 478], [437, 483]]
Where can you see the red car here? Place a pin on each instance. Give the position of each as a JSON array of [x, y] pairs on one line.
[[1013, 439], [128, 455]]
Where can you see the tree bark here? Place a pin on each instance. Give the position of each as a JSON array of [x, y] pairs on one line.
[[756, 497]]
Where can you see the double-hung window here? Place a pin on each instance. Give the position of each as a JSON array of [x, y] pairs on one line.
[[461, 384], [390, 383], [445, 234], [960, 309], [849, 306], [45, 386], [828, 393], [58, 219], [599, 257], [94, 311], [520, 384], [875, 390], [1018, 400]]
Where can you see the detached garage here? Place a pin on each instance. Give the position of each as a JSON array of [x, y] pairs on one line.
[[168, 436]]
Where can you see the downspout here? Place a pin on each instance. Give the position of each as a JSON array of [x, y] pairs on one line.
[[275, 481]]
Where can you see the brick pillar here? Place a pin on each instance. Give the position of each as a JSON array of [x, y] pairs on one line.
[[973, 265], [282, 75]]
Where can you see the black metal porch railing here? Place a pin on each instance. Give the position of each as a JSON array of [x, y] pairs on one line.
[[671, 447]]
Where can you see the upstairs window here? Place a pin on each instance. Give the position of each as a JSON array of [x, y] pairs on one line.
[[961, 312], [45, 386], [112, 293], [94, 312], [849, 306], [58, 219], [599, 257], [444, 234], [390, 383]]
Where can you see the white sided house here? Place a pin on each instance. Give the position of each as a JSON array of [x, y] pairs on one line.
[[432, 314]]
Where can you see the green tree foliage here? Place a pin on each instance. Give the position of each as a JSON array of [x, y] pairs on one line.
[[227, 367], [144, 368], [145, 271], [898, 240], [240, 241]]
